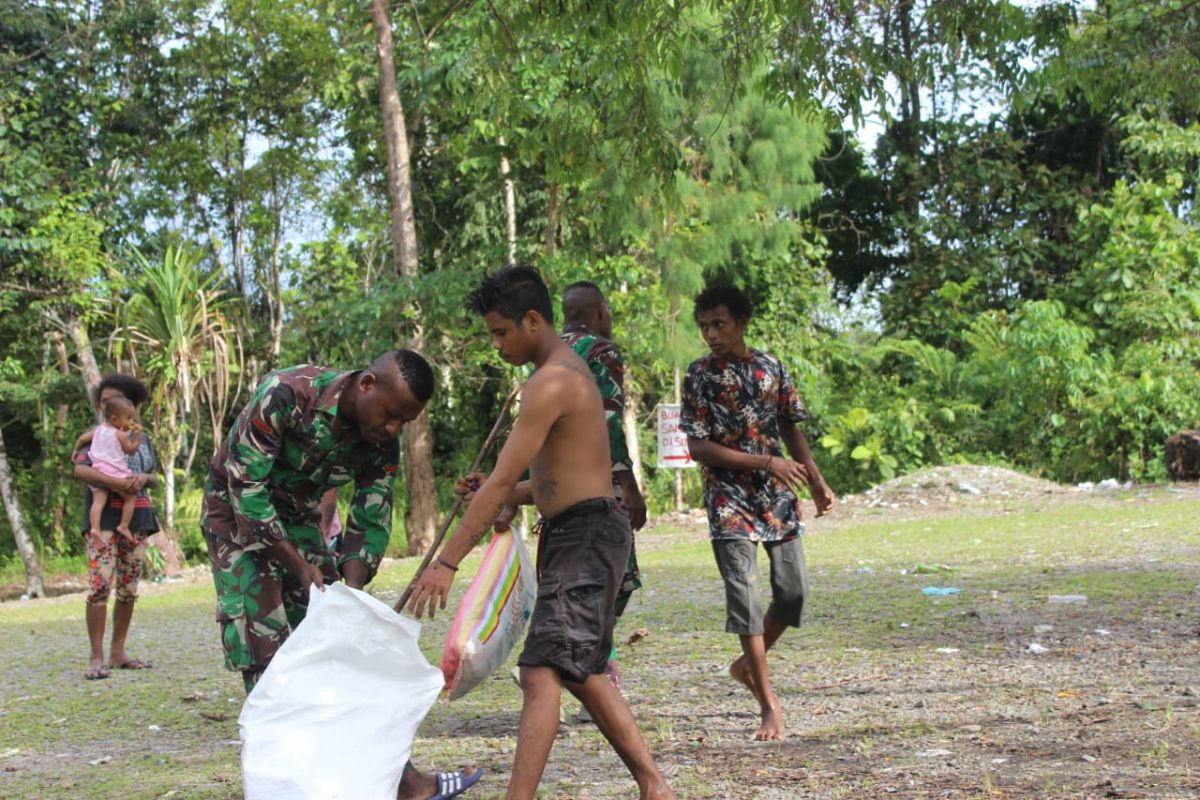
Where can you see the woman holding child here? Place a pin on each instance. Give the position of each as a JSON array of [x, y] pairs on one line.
[[116, 542]]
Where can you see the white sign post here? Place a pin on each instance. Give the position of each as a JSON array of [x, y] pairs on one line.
[[672, 442]]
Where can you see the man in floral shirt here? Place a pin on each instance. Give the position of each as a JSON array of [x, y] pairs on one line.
[[738, 406]]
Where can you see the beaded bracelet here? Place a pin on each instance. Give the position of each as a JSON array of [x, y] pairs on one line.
[[447, 564]]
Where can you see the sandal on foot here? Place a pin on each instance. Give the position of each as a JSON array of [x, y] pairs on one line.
[[452, 784], [97, 673], [136, 663]]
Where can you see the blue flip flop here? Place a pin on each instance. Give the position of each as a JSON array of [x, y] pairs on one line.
[[452, 784]]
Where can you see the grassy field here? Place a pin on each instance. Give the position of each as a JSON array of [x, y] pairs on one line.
[[887, 692]]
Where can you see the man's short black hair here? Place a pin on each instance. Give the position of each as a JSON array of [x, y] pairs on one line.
[[416, 372], [580, 306], [130, 387], [723, 293], [582, 285], [512, 292]]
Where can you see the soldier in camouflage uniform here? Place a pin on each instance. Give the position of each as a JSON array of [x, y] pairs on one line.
[[587, 328], [306, 430]]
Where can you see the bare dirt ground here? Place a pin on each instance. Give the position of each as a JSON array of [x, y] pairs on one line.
[[997, 691]]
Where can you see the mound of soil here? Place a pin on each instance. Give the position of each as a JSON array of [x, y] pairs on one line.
[[951, 485]]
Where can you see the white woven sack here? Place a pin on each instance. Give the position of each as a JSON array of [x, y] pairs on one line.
[[335, 713]]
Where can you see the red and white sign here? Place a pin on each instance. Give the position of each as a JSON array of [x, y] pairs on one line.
[[672, 442]]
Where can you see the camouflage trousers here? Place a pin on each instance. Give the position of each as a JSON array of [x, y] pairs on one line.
[[259, 602], [631, 582]]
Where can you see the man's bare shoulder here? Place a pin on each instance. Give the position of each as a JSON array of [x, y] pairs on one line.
[[562, 370]]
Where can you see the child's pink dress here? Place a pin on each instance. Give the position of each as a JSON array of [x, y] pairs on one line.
[[106, 453]]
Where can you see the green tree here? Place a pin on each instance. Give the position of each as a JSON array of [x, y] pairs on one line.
[[176, 329]]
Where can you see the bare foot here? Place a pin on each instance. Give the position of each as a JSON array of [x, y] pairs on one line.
[[124, 531], [772, 722], [657, 791], [97, 538], [740, 672]]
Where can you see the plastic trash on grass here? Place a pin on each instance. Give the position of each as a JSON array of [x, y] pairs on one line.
[[335, 713]]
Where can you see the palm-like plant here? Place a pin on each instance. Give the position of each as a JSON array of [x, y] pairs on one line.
[[176, 330]]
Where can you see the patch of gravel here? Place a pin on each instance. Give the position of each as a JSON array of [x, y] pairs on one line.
[[939, 487]]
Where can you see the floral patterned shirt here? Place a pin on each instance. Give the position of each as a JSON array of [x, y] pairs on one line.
[[739, 403]]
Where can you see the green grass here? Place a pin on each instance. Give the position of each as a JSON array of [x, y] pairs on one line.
[[850, 680]]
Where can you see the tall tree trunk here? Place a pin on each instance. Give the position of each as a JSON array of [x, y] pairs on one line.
[[421, 519], [87, 359], [274, 289], [551, 218], [167, 539], [910, 127], [60, 421], [629, 420], [510, 208], [34, 586], [404, 225]]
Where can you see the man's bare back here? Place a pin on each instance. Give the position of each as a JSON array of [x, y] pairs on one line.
[[573, 463]]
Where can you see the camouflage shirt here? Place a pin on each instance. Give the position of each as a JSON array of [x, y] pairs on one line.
[[604, 360], [286, 449]]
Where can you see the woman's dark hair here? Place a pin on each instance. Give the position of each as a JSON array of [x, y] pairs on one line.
[[512, 292], [725, 294], [130, 387]]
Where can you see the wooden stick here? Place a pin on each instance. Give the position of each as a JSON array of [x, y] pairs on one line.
[[458, 503]]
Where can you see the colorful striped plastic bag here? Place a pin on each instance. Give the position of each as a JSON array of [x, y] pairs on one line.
[[492, 615]]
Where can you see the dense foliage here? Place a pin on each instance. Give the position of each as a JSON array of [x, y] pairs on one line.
[[1008, 272]]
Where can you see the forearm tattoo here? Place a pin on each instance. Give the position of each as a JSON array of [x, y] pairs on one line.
[[475, 537]]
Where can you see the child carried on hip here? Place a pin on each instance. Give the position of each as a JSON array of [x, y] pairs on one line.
[[112, 442]]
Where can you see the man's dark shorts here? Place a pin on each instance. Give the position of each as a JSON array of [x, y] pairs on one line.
[[737, 560], [582, 555]]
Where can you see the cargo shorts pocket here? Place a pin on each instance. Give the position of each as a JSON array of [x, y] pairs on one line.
[[584, 614]]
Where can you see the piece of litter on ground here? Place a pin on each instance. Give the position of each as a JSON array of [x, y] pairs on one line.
[[929, 569], [946, 651], [940, 591], [999, 761], [638, 635], [154, 728], [1089, 759], [1101, 632], [12, 751], [1067, 599], [936, 753], [1037, 649], [100, 760], [903, 624]]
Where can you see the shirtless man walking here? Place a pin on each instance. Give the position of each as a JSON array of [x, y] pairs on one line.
[[560, 436]]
